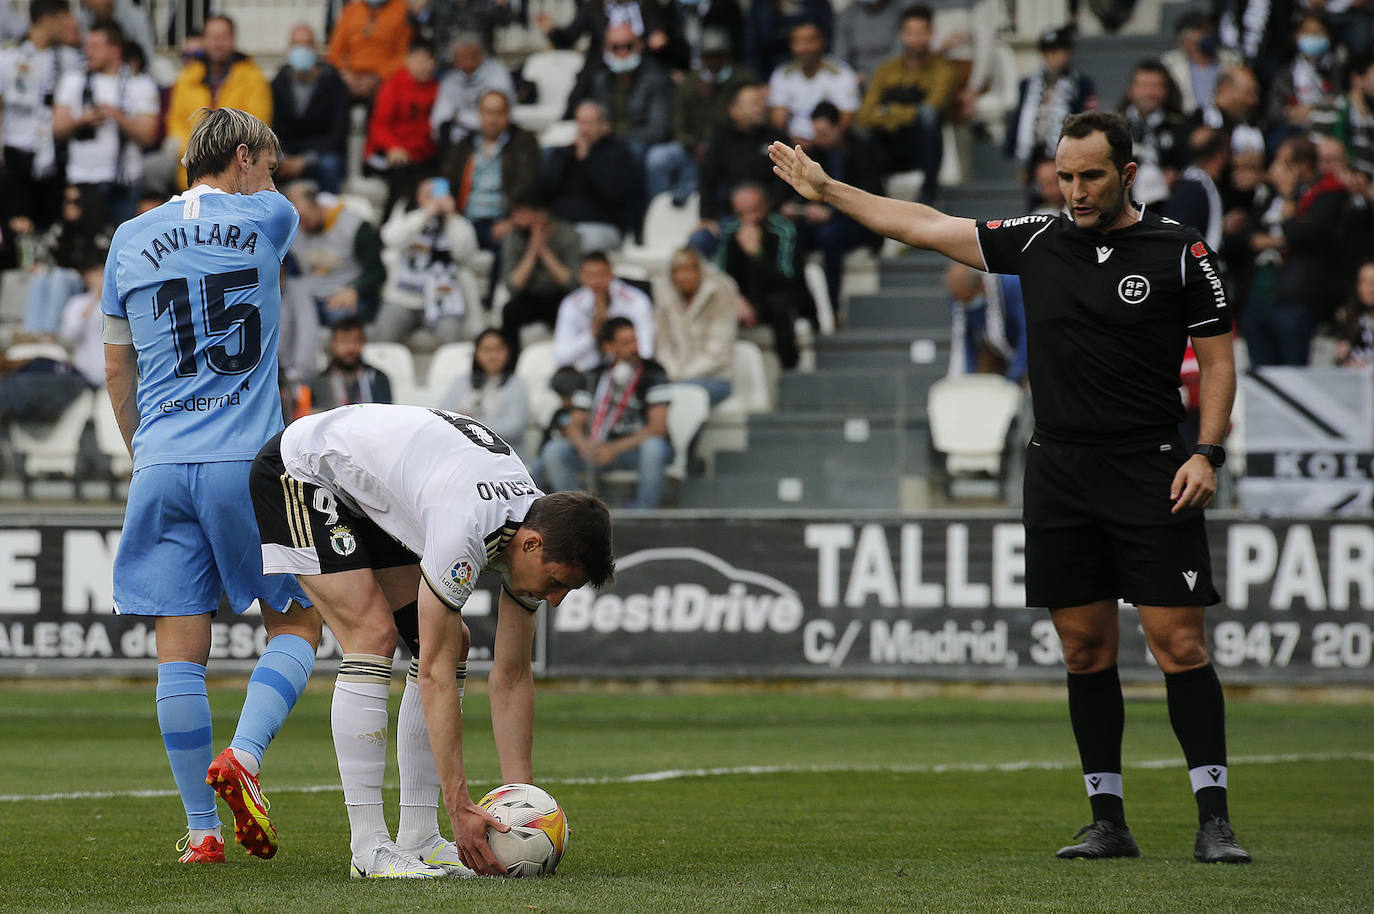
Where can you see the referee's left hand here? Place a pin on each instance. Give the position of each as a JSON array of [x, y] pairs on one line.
[[1195, 484]]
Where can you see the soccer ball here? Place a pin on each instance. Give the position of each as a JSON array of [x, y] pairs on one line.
[[538, 829]]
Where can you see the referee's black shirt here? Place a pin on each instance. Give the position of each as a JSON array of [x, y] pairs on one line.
[[1107, 320]]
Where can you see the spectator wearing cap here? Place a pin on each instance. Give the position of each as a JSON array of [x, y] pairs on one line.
[[474, 74], [400, 146], [1046, 97], [866, 34], [310, 114], [1198, 61], [810, 78], [369, 44], [906, 102], [700, 107]]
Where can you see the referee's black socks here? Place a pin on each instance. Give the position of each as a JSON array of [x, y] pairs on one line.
[[1098, 714], [1197, 710]]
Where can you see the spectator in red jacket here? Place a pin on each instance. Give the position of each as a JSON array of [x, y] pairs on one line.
[[400, 147]]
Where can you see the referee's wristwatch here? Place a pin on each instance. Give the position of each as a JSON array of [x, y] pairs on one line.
[[1215, 454]]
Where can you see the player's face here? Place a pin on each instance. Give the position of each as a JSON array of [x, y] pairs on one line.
[[1094, 189], [258, 175], [532, 576]]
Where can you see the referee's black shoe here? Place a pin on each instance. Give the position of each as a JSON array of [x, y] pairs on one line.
[[1104, 839], [1216, 843]]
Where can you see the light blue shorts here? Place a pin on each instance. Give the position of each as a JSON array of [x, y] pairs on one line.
[[190, 535]]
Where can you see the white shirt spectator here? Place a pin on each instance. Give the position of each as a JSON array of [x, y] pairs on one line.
[[573, 342], [832, 82], [459, 94], [97, 160], [29, 78]]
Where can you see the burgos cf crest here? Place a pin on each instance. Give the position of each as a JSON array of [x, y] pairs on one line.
[[341, 540]]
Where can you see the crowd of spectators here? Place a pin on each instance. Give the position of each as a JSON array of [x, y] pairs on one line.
[[1256, 128]]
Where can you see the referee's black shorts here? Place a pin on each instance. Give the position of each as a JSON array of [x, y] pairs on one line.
[[1099, 527], [305, 529]]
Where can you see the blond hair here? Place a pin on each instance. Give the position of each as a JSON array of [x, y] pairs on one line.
[[216, 137]]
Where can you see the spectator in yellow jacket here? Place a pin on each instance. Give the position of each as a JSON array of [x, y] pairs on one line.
[[225, 78], [904, 107]]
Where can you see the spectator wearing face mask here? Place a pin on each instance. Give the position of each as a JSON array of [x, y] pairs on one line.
[[1198, 61], [1303, 93], [310, 115]]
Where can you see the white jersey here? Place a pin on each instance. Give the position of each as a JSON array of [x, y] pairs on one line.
[[441, 483], [106, 156]]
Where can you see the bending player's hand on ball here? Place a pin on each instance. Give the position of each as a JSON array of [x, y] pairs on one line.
[[1194, 486], [470, 824], [795, 167]]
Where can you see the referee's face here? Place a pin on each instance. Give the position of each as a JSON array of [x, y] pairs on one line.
[[1093, 189]]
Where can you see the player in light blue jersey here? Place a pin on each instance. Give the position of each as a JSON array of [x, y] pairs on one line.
[[192, 305]]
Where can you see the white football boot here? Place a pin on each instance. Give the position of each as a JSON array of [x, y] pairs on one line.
[[387, 861], [440, 852]]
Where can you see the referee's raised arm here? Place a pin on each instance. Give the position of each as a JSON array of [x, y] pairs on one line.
[[913, 224]]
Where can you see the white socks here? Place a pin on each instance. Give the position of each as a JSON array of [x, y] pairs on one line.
[[358, 718], [415, 758]]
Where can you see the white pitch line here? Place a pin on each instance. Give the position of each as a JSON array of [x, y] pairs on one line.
[[673, 774]]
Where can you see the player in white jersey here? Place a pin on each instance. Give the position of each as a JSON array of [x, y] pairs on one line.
[[387, 515]]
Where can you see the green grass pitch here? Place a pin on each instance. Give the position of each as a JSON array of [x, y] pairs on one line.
[[848, 804]]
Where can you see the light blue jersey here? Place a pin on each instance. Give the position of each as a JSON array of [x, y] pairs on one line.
[[198, 280]]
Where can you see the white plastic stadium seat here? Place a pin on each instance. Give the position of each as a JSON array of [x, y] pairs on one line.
[[449, 362], [814, 274], [55, 450], [554, 73], [666, 228], [750, 391], [38, 350], [970, 416], [14, 293], [108, 438], [396, 362], [559, 133]]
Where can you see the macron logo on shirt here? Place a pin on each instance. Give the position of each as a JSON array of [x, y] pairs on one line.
[[1103, 254]]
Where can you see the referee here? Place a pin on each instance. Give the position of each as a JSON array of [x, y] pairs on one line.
[[1113, 502]]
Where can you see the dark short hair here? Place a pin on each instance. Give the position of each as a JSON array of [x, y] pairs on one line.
[[345, 325], [596, 257], [1206, 143], [826, 111], [1193, 19], [1112, 125], [735, 92], [566, 381], [112, 32], [1303, 150], [42, 9], [916, 11], [576, 530], [612, 327], [422, 44]]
